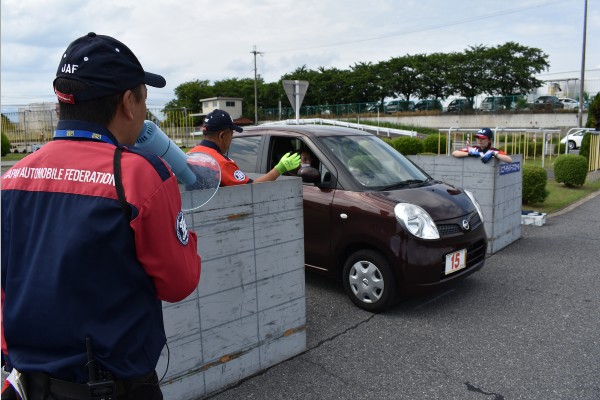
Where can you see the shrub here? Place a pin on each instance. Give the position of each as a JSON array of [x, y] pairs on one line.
[[584, 150], [5, 145], [593, 120], [534, 184], [521, 104], [570, 169], [388, 141], [435, 144], [408, 145]]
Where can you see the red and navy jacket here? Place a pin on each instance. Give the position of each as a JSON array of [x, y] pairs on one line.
[[230, 173], [74, 266]]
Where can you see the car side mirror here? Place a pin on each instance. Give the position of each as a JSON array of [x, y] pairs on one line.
[[309, 174]]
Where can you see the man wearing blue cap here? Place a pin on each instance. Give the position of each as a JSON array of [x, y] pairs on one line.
[[93, 239], [218, 132], [484, 149]]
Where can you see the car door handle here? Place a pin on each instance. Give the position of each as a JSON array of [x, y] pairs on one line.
[[343, 216]]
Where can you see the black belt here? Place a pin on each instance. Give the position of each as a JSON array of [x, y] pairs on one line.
[[40, 381]]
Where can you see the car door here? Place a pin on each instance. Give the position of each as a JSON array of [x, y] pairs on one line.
[[317, 199]]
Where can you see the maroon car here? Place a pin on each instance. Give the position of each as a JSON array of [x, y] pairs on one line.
[[372, 218]]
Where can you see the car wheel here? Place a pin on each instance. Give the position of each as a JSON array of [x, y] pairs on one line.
[[369, 281], [571, 145]]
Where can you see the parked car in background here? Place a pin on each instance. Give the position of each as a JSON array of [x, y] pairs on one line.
[[492, 103], [428, 104], [569, 104], [374, 107], [574, 139], [547, 103], [458, 105], [572, 104], [399, 105], [372, 218]]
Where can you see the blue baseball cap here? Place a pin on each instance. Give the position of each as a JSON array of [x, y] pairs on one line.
[[485, 133], [105, 65], [217, 120]]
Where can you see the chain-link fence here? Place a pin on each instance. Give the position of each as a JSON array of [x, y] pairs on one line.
[[28, 130], [516, 104]]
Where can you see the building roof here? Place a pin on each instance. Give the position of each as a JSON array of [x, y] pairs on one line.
[[222, 98]]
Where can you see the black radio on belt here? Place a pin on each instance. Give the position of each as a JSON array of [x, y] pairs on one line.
[[101, 384]]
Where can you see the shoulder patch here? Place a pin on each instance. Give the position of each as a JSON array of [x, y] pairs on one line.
[[239, 175], [181, 229]]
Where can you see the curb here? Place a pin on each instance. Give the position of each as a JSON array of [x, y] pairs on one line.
[[574, 205]]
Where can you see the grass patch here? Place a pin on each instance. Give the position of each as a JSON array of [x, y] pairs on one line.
[[561, 196], [13, 156]]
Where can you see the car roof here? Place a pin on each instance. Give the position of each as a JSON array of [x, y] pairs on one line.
[[309, 130]]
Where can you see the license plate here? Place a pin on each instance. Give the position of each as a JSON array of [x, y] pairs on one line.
[[456, 261]]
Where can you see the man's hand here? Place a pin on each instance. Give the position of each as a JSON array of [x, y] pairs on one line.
[[474, 152], [288, 162], [488, 156]]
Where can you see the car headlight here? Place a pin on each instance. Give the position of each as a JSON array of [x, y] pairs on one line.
[[475, 203], [416, 221]]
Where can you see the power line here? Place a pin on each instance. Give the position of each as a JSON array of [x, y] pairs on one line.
[[428, 28]]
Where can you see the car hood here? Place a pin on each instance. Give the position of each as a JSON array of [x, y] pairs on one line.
[[440, 200]]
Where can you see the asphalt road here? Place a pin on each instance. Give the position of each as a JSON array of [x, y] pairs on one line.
[[527, 326]]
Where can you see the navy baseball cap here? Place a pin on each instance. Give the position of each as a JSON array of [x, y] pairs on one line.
[[217, 120], [106, 65], [485, 133]]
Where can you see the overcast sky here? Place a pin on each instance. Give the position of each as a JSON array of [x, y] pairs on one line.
[[213, 40]]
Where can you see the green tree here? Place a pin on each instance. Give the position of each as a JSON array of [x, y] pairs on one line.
[[333, 86], [434, 71], [366, 83], [506, 69], [467, 73], [403, 75], [270, 94], [512, 68], [593, 120]]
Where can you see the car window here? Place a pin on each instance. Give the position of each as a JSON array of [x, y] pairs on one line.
[[246, 152], [372, 162]]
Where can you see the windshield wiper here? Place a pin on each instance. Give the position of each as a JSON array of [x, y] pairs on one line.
[[401, 184]]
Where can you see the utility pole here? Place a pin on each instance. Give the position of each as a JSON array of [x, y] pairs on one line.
[[581, 81], [255, 87]]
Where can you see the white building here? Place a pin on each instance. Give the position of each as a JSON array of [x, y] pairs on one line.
[[233, 105], [567, 84], [38, 120]]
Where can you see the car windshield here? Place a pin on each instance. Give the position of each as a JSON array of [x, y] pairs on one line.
[[373, 163]]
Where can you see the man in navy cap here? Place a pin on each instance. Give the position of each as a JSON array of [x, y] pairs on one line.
[[484, 149], [218, 132], [93, 238]]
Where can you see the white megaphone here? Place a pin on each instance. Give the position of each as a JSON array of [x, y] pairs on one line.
[[154, 140]]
